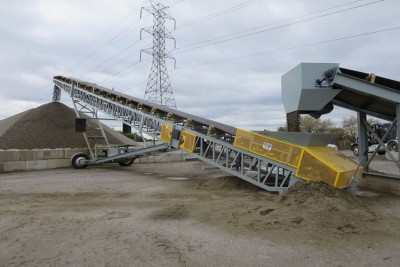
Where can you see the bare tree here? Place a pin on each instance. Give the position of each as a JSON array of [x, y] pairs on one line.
[[349, 125], [310, 125]]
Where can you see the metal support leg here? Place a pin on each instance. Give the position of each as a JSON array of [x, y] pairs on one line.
[[362, 140], [56, 94], [398, 133]]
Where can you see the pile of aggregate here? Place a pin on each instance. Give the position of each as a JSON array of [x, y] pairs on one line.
[[48, 126], [321, 207]]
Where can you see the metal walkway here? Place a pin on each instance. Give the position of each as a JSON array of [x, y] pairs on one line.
[[265, 161]]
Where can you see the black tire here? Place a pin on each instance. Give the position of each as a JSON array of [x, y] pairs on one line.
[[381, 151], [126, 162], [355, 150], [76, 160], [393, 146]]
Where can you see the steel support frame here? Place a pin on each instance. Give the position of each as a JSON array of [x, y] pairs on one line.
[[91, 113], [130, 154], [370, 88], [363, 129], [142, 122], [255, 169], [398, 132]]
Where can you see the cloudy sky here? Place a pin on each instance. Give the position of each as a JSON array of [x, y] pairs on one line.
[[230, 54]]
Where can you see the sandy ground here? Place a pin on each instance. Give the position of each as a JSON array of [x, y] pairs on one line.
[[379, 163], [180, 214]]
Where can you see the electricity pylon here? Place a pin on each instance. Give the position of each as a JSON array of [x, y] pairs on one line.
[[158, 87]]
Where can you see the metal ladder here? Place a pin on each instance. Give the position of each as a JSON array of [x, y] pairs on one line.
[[94, 135]]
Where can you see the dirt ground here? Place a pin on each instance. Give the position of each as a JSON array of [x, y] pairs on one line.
[[182, 214]]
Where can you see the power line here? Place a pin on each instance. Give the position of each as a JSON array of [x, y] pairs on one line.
[[100, 36], [103, 45], [121, 60], [270, 24], [112, 57], [174, 3], [277, 27], [107, 80], [121, 51], [121, 32], [92, 53], [293, 47], [219, 13], [100, 47]]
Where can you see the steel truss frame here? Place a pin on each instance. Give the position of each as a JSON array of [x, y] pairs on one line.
[[255, 169], [91, 113]]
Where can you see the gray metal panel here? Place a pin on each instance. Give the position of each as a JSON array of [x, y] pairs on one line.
[[348, 88], [299, 90], [291, 89]]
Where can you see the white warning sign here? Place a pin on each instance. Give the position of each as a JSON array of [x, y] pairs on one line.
[[267, 146]]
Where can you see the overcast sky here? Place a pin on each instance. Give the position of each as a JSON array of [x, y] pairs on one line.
[[98, 41]]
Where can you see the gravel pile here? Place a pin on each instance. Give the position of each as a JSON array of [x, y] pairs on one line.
[[319, 207], [49, 126]]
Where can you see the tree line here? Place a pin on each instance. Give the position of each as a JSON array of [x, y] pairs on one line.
[[347, 133]]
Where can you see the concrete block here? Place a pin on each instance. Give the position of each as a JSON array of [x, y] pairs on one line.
[[69, 152], [38, 154], [10, 155], [147, 159], [34, 154], [58, 163], [36, 165], [162, 158], [26, 155], [54, 153], [14, 166], [170, 158]]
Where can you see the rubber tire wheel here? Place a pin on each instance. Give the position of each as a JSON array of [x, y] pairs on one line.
[[393, 146], [75, 158], [355, 150], [126, 162]]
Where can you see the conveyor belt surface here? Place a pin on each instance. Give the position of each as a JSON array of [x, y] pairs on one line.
[[179, 115]]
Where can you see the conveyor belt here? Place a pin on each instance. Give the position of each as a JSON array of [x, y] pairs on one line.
[[310, 87], [267, 161], [179, 116], [314, 88], [377, 102]]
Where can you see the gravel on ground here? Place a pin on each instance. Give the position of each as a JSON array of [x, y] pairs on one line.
[[144, 216]]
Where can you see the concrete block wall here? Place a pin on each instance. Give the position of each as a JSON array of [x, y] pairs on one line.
[[14, 160], [36, 159], [174, 156]]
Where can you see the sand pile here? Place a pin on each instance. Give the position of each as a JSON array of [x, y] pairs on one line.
[[308, 209], [305, 192], [319, 207], [48, 126]]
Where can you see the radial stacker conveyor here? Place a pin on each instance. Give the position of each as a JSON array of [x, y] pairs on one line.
[[269, 160]]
